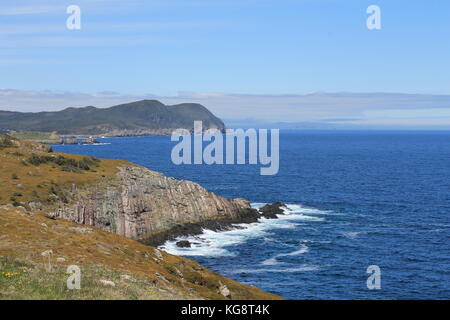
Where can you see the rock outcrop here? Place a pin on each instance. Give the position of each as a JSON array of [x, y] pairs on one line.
[[271, 211], [142, 204]]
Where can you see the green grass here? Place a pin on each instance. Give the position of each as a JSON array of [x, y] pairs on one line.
[[34, 135], [24, 281], [66, 164]]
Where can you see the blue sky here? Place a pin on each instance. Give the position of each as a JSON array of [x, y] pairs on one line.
[[168, 48]]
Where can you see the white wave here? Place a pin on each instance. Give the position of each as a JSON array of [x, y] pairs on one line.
[[97, 144], [303, 249], [212, 243], [297, 208], [279, 242], [273, 261], [351, 235], [302, 268]]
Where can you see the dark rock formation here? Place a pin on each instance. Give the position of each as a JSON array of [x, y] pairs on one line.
[[183, 244], [270, 211]]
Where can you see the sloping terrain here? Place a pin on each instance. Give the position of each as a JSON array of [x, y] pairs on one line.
[[37, 183], [114, 195], [136, 271]]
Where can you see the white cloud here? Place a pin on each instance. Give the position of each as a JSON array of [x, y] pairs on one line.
[[360, 109]]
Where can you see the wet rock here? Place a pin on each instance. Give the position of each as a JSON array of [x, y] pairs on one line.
[[271, 211], [184, 244]]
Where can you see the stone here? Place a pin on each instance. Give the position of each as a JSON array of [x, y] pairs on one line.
[[107, 283], [223, 290], [158, 254], [81, 230], [183, 244], [139, 203], [271, 211], [127, 278], [47, 253]]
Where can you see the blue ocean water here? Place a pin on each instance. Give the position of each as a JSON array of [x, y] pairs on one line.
[[356, 199]]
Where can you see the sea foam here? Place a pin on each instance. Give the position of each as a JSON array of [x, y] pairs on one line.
[[213, 244]]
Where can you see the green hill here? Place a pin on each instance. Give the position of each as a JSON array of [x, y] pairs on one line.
[[146, 117]]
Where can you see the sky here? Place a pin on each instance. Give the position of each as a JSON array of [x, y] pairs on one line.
[[312, 61]]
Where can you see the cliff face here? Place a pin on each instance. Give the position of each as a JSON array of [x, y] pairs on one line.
[[139, 203], [113, 195]]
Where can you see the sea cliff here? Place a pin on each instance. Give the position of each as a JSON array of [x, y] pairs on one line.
[[142, 204], [59, 210]]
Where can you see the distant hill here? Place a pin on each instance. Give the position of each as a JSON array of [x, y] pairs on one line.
[[146, 117]]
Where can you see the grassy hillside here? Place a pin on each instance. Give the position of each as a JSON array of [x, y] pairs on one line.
[[137, 271], [30, 172], [140, 115]]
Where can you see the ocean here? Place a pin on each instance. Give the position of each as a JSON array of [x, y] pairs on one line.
[[355, 199]]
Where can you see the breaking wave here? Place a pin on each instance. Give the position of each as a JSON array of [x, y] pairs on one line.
[[214, 243]]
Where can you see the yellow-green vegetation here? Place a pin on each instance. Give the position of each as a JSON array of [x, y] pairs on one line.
[[50, 137], [30, 172], [137, 271]]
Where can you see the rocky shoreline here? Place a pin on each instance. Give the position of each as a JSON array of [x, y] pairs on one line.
[[268, 211], [123, 198], [89, 212]]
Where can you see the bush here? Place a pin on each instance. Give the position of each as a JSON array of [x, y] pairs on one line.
[[66, 164], [6, 142], [14, 201]]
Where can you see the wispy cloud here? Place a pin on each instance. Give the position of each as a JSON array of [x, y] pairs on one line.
[[28, 10], [374, 110]]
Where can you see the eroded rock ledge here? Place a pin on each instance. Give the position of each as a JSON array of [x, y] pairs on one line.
[[146, 205]]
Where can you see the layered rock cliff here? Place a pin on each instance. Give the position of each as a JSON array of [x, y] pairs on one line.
[[139, 203], [116, 196], [113, 195]]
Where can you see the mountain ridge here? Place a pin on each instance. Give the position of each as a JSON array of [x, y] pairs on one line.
[[144, 117]]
